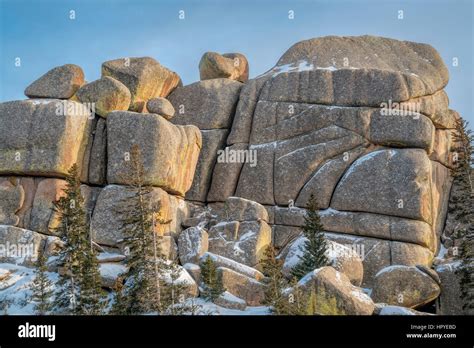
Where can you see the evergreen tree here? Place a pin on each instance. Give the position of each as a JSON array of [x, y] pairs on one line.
[[73, 230], [314, 249], [142, 290], [275, 283], [212, 286], [78, 287], [92, 297], [42, 287], [462, 207]]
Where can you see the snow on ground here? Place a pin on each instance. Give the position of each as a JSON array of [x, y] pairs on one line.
[[15, 290], [110, 257], [209, 308], [396, 310]]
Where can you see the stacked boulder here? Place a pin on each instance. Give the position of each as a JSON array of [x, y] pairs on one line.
[[209, 105], [362, 123], [93, 125], [235, 236]]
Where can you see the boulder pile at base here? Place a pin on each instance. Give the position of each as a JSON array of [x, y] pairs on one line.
[[362, 123]]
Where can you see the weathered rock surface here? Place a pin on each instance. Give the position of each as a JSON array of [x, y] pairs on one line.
[[212, 141], [334, 294], [404, 286], [221, 261], [190, 286], [233, 66], [377, 253], [161, 106], [226, 174], [194, 271], [21, 246], [398, 180], [244, 242], [144, 77], [106, 219], [169, 152], [43, 137], [43, 218], [227, 300], [33, 198], [11, 197], [107, 94], [192, 244], [61, 82], [98, 154], [246, 288], [206, 104], [396, 70], [364, 131]]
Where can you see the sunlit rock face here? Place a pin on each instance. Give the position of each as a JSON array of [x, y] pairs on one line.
[[363, 124]]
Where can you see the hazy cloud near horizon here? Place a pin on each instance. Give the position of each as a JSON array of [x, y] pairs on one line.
[[42, 34]]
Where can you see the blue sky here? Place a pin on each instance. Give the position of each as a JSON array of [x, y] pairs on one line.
[[42, 34]]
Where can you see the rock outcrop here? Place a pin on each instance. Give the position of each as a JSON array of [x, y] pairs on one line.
[[362, 123]]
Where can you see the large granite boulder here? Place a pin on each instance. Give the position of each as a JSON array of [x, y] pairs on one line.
[[404, 286], [333, 293], [43, 137], [28, 202], [61, 82], [206, 104], [107, 94], [398, 180], [107, 217], [362, 70], [192, 244], [161, 106], [169, 152], [221, 261], [244, 242], [11, 197], [233, 66], [242, 286], [43, 217], [144, 77]]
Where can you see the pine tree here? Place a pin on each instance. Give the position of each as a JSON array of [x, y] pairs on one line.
[[462, 207], [73, 230], [314, 249], [275, 283], [212, 286], [42, 287], [92, 297], [141, 292]]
